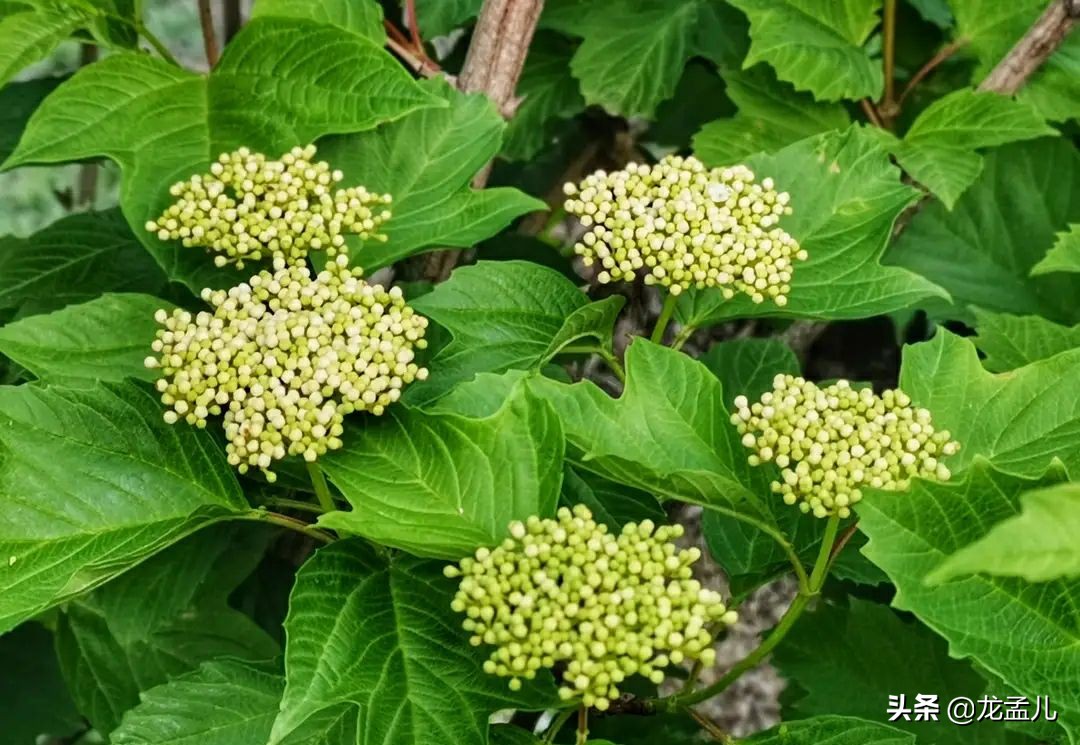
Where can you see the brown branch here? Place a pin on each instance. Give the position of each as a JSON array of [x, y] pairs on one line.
[[842, 541], [421, 66], [411, 22], [206, 20], [493, 64], [871, 112], [1033, 49], [947, 51]]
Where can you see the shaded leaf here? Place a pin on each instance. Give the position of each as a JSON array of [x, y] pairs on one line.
[[612, 504], [746, 367], [440, 17], [93, 482], [271, 90], [1039, 544], [1020, 421], [1010, 342], [381, 636], [17, 103], [832, 730], [33, 698], [1021, 632], [846, 196], [817, 45], [442, 485], [426, 161], [105, 339], [771, 115], [983, 251]]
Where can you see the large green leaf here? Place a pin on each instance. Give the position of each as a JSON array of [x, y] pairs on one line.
[[381, 636], [817, 45], [33, 698], [29, 33], [549, 94], [846, 195], [771, 115], [832, 730], [668, 433], [17, 104], [442, 485], [73, 260], [105, 339], [507, 315], [1039, 544], [990, 29], [826, 658], [1021, 632], [634, 53], [939, 148], [1014, 341], [224, 702], [426, 161], [361, 17], [92, 482], [1019, 420], [1064, 255], [746, 367], [159, 620], [271, 90], [983, 251]]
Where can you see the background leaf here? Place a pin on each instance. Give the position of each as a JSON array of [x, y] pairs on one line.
[[746, 367], [381, 636], [1064, 255], [1010, 342], [17, 103], [33, 698], [443, 485], [105, 339], [832, 730], [426, 161], [93, 482]]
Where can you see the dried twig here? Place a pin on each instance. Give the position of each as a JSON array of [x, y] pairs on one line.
[[1033, 49], [206, 20]]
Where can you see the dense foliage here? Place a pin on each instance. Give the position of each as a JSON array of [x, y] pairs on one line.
[[271, 475]]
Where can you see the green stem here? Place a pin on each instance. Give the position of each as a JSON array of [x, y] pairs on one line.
[[752, 660], [776, 535], [582, 725], [322, 489], [665, 316], [557, 725], [156, 43], [682, 337], [284, 521], [293, 504], [611, 360]]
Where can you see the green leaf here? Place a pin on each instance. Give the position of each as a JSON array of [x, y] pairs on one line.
[[612, 504], [361, 17], [699, 98], [159, 620], [1064, 255], [33, 698], [105, 339], [634, 53], [832, 730], [1020, 421], [440, 17], [1010, 342], [746, 367], [17, 103], [508, 734], [74, 260], [93, 482], [934, 11], [846, 196], [1039, 544], [426, 161], [668, 434], [722, 35], [825, 656], [271, 90], [29, 33], [991, 28], [772, 115], [442, 485], [381, 636], [1021, 632], [816, 45], [506, 315], [983, 258], [939, 148], [550, 93]]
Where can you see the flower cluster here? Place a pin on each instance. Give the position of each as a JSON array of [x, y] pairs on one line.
[[600, 607], [687, 226], [250, 208], [832, 442], [285, 356]]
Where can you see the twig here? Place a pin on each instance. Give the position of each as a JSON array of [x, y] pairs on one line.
[[233, 19], [493, 64], [206, 20], [947, 51], [156, 43], [1033, 49], [418, 65], [284, 521], [871, 112], [888, 106], [842, 541], [710, 727]]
